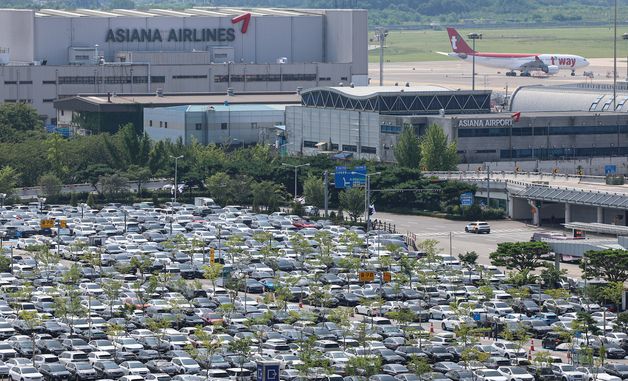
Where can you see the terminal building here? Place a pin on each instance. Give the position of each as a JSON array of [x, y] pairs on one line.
[[366, 122], [51, 54]]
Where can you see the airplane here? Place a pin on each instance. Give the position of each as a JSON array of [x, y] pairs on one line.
[[524, 62]]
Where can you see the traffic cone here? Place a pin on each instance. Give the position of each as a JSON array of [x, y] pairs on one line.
[[532, 345], [529, 356], [300, 305], [431, 327]]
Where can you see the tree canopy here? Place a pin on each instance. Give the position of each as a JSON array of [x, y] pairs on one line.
[[610, 264], [408, 150], [436, 153], [521, 256]]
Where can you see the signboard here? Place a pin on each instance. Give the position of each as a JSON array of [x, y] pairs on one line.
[[212, 257], [367, 276], [610, 169], [466, 199], [349, 178], [505, 122], [386, 277], [267, 371], [47, 224], [63, 224]]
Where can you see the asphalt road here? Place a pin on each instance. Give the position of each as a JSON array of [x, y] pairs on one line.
[[440, 229]]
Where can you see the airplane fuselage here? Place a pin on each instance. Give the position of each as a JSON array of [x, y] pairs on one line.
[[516, 61]]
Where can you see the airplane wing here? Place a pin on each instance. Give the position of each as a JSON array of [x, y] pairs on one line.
[[453, 55]]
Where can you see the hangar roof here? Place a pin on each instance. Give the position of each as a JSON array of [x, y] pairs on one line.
[[192, 12], [369, 91], [579, 97], [131, 102]]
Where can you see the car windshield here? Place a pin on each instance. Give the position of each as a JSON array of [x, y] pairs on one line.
[[567, 368], [518, 371], [83, 366], [27, 370], [491, 373]]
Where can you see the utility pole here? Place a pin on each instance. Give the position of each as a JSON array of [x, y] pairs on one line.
[[381, 37], [296, 172], [488, 186], [326, 192], [615, 58], [176, 185]]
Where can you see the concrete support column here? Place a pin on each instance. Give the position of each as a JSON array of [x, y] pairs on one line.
[[600, 214], [567, 212], [511, 206]]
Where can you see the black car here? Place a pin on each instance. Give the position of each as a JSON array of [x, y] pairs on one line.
[[445, 367], [438, 353], [52, 346], [551, 340], [162, 366], [619, 370], [538, 328], [54, 372], [348, 299], [81, 371], [526, 306], [108, 369], [460, 375], [407, 351], [542, 373]]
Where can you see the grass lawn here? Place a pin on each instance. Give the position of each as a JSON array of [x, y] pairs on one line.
[[420, 45]]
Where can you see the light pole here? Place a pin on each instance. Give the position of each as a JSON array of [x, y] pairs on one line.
[[42, 201], [625, 37], [473, 37], [367, 200], [296, 172], [2, 197], [176, 185], [381, 35]]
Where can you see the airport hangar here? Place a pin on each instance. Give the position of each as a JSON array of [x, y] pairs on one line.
[[365, 122], [52, 54]]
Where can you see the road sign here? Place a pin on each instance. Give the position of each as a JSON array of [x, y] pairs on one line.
[[212, 257], [387, 277], [267, 371], [466, 199], [348, 178], [610, 169], [271, 372], [367, 276], [63, 224], [47, 224]]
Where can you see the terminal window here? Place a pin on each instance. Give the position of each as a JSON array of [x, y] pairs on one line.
[[198, 126], [309, 144], [223, 126], [367, 149], [150, 123], [349, 148]]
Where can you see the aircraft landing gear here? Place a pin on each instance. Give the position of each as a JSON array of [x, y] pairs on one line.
[[525, 74], [573, 73], [511, 74]]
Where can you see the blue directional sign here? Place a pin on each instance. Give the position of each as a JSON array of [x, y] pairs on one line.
[[466, 199], [272, 372], [348, 178], [610, 169], [267, 371]]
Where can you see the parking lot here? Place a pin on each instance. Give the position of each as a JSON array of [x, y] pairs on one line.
[[198, 292]]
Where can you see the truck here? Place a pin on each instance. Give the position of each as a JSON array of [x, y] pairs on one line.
[[204, 201]]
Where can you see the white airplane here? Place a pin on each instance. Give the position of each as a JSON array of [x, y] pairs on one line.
[[523, 62]]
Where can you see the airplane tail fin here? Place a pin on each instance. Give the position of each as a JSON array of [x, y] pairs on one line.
[[458, 44]]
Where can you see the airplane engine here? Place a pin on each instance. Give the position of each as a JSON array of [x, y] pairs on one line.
[[552, 69]]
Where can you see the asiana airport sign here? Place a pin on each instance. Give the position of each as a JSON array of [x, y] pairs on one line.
[[505, 122], [179, 34]]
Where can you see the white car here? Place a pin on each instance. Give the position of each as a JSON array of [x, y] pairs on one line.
[[596, 373], [486, 374], [127, 344], [508, 350], [452, 323], [186, 365], [498, 308], [135, 368], [566, 372], [515, 373], [25, 373], [616, 337], [440, 312]]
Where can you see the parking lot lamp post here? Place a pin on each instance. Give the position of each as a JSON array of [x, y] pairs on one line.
[[625, 37], [473, 37], [176, 185], [2, 197], [367, 200], [2, 235], [296, 172], [42, 201]]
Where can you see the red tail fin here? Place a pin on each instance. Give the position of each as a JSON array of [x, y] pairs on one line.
[[458, 45]]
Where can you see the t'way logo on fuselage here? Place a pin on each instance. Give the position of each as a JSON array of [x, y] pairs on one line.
[[563, 61]]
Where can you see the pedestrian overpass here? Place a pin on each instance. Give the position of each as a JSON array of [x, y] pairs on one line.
[[543, 197]]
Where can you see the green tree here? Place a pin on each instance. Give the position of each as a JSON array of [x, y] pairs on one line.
[[114, 185], [436, 153], [408, 149], [521, 256], [419, 365], [33, 321], [139, 174], [8, 180], [365, 366], [314, 191], [50, 185], [242, 348], [585, 323], [20, 117], [610, 264], [352, 200], [212, 273]]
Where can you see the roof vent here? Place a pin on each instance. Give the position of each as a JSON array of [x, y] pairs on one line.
[[299, 89], [159, 92], [230, 92]]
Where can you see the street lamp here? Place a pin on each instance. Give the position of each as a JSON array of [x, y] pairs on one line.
[[176, 185], [42, 201], [367, 200], [296, 171], [2, 197], [625, 37], [473, 37]]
